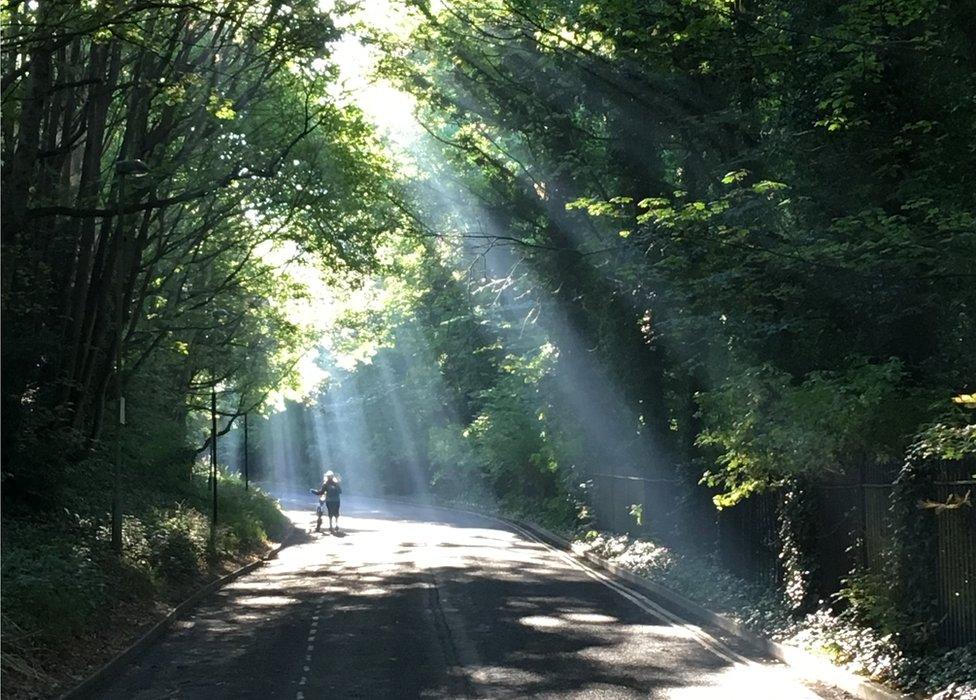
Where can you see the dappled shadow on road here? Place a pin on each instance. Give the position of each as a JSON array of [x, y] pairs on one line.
[[417, 609]]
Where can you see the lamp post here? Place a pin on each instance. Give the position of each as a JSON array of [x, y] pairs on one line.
[[124, 170], [213, 459], [245, 452], [216, 314]]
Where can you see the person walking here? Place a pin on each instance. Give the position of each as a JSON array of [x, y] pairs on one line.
[[332, 490]]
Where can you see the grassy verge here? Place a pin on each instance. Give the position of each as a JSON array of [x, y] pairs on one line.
[[69, 603], [946, 674]]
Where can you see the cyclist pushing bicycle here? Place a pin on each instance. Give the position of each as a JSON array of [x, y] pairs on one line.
[[329, 494]]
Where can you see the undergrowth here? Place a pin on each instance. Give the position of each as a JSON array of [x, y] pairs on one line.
[[61, 580], [940, 674]]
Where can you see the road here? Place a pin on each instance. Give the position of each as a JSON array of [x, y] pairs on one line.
[[413, 602]]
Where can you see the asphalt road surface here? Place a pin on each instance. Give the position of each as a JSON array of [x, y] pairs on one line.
[[412, 602]]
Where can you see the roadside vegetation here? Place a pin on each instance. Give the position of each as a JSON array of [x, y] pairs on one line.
[[849, 638], [70, 601]]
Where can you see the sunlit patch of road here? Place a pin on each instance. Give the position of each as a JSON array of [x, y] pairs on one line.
[[455, 552], [411, 602]]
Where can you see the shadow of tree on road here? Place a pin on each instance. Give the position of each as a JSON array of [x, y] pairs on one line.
[[484, 614]]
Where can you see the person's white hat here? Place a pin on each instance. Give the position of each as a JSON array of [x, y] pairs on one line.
[[329, 473]]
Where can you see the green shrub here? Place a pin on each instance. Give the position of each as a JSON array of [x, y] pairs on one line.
[[61, 578], [950, 675], [52, 585], [869, 601], [178, 539], [246, 520]]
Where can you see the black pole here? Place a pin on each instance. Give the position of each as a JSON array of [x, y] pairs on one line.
[[117, 478], [245, 451], [120, 395], [213, 460]]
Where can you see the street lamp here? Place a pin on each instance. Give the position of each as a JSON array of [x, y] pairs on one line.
[[245, 452], [124, 171], [216, 315], [131, 167]]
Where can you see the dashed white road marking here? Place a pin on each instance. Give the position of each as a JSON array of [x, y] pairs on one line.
[[313, 630]]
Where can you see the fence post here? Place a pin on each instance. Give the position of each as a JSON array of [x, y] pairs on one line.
[[612, 503], [650, 510], [862, 517]]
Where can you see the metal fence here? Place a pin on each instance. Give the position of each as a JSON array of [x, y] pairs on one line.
[[852, 531], [956, 561]]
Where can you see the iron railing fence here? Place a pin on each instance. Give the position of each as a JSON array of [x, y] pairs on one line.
[[955, 563]]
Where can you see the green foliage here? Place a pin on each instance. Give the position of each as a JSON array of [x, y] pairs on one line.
[[937, 451], [170, 231], [177, 543], [440, 405], [61, 579], [797, 520], [869, 601], [767, 427], [859, 648], [193, 174], [53, 584], [947, 676], [801, 309], [939, 674], [952, 439], [748, 225], [249, 519]]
